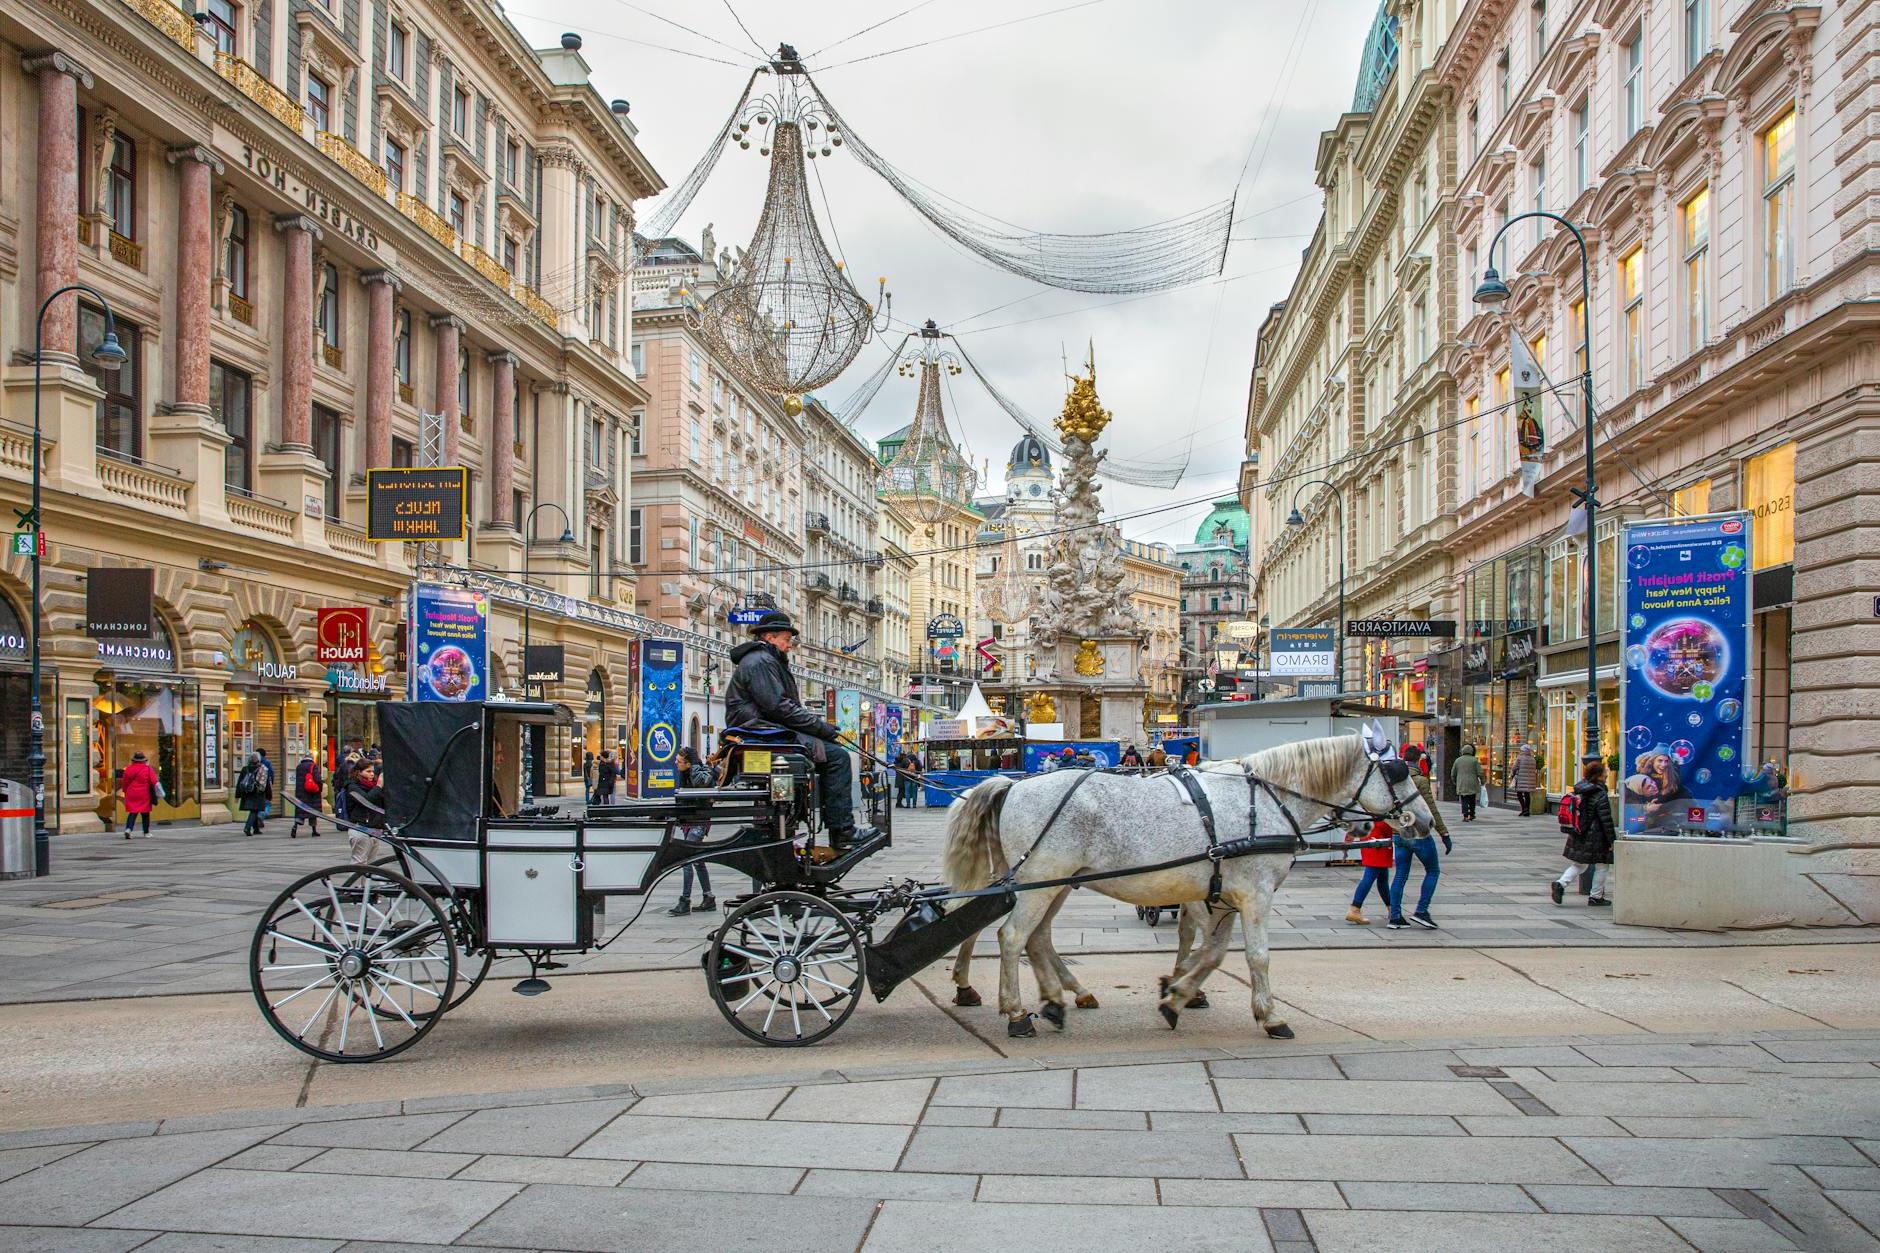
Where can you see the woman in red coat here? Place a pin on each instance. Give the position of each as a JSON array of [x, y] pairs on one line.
[[139, 788], [1376, 860]]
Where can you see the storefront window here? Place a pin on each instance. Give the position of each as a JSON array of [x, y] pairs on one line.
[[142, 705], [1769, 495]]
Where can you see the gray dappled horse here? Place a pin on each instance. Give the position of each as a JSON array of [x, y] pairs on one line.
[[1114, 822]]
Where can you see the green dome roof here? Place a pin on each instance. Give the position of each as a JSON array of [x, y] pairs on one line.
[[1227, 513]]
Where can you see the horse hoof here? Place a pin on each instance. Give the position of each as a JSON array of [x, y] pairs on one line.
[[1170, 1016], [967, 997], [1021, 1028], [1280, 1031], [1086, 1000], [1161, 985], [1200, 1001], [1053, 1014]]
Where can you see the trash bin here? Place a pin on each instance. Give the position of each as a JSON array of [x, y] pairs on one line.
[[16, 830]]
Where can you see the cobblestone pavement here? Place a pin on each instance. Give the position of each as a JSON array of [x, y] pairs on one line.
[[173, 914], [1716, 1143]]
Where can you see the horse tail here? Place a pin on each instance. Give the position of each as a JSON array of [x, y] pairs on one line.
[[973, 855]]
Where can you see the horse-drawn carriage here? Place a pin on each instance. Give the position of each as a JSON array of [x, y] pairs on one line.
[[358, 962]]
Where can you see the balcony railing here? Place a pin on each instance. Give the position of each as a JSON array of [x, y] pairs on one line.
[[486, 265], [169, 19], [817, 584], [875, 607], [428, 220], [242, 310], [335, 357], [353, 161], [143, 481], [848, 595], [127, 251], [536, 304], [816, 523], [252, 83]]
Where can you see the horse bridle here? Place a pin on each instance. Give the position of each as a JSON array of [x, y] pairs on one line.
[[1394, 770]]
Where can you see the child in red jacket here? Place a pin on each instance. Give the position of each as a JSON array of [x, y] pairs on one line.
[[1376, 860]]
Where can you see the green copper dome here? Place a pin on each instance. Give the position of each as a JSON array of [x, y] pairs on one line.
[[1227, 513]]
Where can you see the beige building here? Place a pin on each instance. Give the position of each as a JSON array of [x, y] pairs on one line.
[[1153, 576], [313, 227], [940, 586], [843, 563], [1712, 154], [895, 541]]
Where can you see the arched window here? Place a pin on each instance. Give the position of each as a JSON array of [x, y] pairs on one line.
[[463, 381]]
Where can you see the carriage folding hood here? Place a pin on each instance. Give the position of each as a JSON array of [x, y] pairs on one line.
[[427, 739]]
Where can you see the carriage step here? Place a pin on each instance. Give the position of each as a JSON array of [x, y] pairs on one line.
[[831, 871], [531, 986]]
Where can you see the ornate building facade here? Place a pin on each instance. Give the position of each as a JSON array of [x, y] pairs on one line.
[[313, 226], [940, 586], [1215, 590], [842, 574]]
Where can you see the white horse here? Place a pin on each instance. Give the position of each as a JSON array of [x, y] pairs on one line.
[[1116, 822], [1193, 918]]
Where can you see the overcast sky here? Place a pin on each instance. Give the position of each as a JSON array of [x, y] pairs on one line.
[[1114, 114]]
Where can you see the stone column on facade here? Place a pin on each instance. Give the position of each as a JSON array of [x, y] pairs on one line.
[[381, 364], [296, 397], [502, 438], [56, 159], [195, 269], [449, 340]]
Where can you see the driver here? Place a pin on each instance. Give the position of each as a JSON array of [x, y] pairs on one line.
[[762, 697]]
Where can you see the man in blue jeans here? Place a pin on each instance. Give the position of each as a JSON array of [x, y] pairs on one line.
[[1423, 849]]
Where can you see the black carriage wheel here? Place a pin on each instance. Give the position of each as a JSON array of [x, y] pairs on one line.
[[786, 968], [473, 963], [365, 954]]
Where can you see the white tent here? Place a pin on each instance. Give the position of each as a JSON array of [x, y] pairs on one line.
[[980, 721]]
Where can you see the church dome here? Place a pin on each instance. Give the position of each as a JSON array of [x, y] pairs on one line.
[[1229, 515], [1029, 454]]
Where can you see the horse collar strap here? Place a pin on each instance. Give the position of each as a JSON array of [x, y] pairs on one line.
[[1199, 795]]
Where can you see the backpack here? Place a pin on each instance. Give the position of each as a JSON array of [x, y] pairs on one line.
[[1569, 813], [248, 782], [309, 779]]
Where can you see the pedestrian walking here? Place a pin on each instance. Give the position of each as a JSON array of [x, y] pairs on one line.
[[606, 774], [1376, 860], [251, 794], [1466, 774], [140, 790], [1586, 817], [694, 773], [306, 797], [366, 803], [1423, 849], [1526, 778], [267, 784], [903, 780], [342, 780]]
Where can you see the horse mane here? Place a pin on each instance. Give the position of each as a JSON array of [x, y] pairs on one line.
[[1316, 767]]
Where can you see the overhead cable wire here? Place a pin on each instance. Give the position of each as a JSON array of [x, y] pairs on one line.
[[977, 30], [747, 30], [737, 52], [866, 29], [628, 39]]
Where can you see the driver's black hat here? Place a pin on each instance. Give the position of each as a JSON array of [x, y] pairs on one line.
[[773, 620]]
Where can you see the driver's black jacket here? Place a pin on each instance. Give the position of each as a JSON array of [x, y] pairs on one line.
[[762, 696]]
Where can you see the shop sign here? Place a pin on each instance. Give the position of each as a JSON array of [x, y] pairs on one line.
[[346, 678], [947, 729], [1303, 651], [1520, 653], [120, 602], [340, 635], [1241, 630], [543, 663], [1475, 662], [945, 627], [252, 653], [1402, 628], [450, 643], [138, 656], [272, 170], [746, 616], [419, 504], [1684, 681]]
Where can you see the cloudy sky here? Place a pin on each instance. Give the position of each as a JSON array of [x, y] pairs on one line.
[[1107, 115]]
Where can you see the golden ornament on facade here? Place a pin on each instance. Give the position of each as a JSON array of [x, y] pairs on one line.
[[1039, 707], [1089, 661], [1084, 417]]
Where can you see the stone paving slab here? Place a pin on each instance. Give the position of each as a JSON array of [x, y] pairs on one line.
[[627, 1220], [366, 1207], [954, 1227]]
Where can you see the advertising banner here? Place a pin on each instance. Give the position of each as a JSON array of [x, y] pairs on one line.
[[1303, 652], [849, 713], [1526, 381], [945, 627], [120, 602], [544, 663], [1104, 754], [450, 643], [416, 504], [1684, 685], [340, 635], [890, 718], [662, 700]]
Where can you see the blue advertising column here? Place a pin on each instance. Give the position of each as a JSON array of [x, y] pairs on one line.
[[661, 712], [1684, 677]]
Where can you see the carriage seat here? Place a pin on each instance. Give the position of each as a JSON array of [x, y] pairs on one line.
[[787, 756]]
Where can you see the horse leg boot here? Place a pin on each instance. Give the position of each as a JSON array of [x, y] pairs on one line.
[[1187, 981], [1260, 975], [1014, 933], [963, 993]]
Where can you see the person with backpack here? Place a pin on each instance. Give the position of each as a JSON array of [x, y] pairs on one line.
[[606, 773], [694, 774], [267, 783], [342, 780], [308, 785], [1466, 774], [1586, 820], [251, 794]]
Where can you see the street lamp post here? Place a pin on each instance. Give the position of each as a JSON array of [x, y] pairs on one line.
[[1493, 293], [109, 354], [1295, 518], [528, 540]]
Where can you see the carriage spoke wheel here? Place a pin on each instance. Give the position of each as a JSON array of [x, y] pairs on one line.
[[786, 968], [353, 963]]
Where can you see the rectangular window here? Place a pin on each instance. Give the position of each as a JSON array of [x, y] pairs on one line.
[[463, 381], [1475, 132], [693, 370], [1696, 219], [634, 522], [223, 21], [120, 412], [697, 440], [460, 111], [1633, 84], [1690, 501], [1769, 495], [637, 354], [1778, 145], [320, 102], [691, 542], [397, 40], [1504, 73], [235, 263], [401, 346], [1576, 317], [1632, 317], [231, 402], [123, 186], [326, 441], [1423, 196], [1420, 320], [394, 160], [511, 253], [634, 422], [512, 163], [1539, 11], [458, 213], [1582, 140], [1696, 32], [518, 505], [329, 305], [403, 454]]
